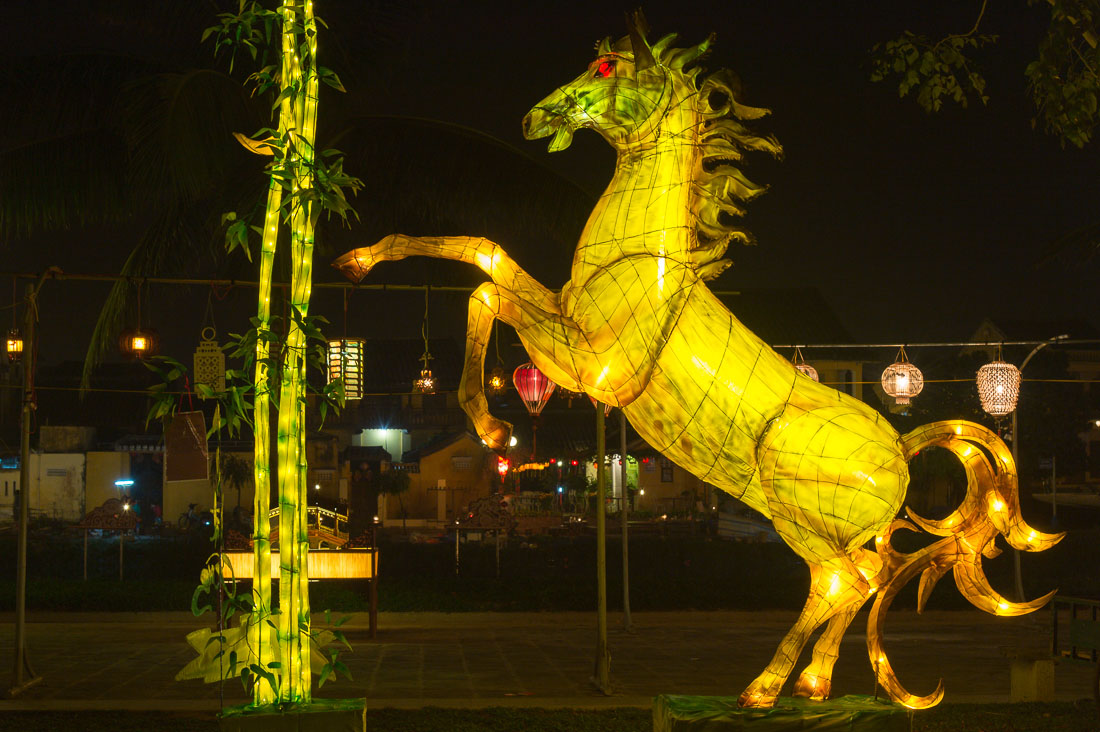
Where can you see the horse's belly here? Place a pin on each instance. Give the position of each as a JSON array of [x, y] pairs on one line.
[[833, 478]]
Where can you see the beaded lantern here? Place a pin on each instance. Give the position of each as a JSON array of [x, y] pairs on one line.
[[999, 387], [802, 366], [902, 380], [345, 361]]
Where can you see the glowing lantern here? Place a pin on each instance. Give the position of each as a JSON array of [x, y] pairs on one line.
[[801, 365], [534, 387], [425, 383], [138, 343], [13, 345], [497, 381], [998, 387], [502, 465], [345, 361], [902, 380]]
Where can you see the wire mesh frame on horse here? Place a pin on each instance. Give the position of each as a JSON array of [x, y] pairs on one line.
[[636, 327]]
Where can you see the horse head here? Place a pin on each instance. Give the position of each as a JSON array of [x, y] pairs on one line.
[[625, 94]]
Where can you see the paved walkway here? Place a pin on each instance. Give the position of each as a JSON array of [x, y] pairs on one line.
[[128, 660]]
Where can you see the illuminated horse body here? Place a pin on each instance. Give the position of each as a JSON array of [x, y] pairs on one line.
[[637, 328]]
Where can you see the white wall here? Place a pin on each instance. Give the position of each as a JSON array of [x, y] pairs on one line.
[[56, 486]]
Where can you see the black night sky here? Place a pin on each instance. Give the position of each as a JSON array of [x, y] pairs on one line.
[[913, 227]]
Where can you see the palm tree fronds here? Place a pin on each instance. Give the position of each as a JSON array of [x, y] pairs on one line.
[[61, 183]]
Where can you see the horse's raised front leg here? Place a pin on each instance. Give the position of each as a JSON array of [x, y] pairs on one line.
[[833, 588], [478, 251], [551, 341]]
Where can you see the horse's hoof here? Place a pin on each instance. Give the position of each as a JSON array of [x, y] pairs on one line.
[[753, 699], [812, 687]]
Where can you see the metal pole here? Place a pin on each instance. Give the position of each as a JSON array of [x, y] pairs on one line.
[[121, 536], [601, 677], [1054, 489], [22, 663], [624, 509], [1016, 459]]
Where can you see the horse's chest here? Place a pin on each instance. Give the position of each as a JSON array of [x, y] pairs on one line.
[[629, 303]]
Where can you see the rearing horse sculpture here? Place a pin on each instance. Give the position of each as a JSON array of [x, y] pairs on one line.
[[637, 328]]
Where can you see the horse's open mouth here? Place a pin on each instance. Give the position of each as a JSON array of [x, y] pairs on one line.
[[540, 123]]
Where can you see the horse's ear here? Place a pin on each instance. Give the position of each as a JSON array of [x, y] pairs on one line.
[[604, 47], [637, 29]]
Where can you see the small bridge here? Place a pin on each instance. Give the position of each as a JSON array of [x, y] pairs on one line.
[[327, 529]]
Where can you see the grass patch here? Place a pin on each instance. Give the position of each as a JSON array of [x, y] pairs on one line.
[[1056, 717]]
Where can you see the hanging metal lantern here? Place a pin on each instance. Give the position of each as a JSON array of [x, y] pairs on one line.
[[425, 383], [138, 342], [497, 381], [800, 364], [534, 387], [999, 387], [902, 380], [13, 345], [345, 361], [209, 361]]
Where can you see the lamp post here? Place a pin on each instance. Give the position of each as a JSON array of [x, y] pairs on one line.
[[20, 682], [1016, 458]]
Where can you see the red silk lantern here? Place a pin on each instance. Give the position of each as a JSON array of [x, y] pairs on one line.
[[606, 408], [534, 387]]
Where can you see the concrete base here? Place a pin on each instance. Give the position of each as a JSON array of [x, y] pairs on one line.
[[1032, 680], [322, 715], [676, 713]]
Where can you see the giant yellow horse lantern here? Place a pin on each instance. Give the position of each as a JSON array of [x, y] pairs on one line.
[[637, 328]]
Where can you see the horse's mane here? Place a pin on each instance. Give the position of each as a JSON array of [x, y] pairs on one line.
[[718, 186]]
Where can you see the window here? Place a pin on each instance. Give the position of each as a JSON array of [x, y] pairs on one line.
[[56, 472], [666, 470], [462, 462]]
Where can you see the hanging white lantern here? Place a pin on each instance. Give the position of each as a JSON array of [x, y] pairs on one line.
[[800, 364], [345, 361], [902, 380], [999, 387]]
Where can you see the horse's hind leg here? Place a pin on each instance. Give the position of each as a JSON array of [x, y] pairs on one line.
[[544, 334], [816, 680], [834, 588]]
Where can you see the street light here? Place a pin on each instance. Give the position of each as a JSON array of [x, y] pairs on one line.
[[1016, 458]]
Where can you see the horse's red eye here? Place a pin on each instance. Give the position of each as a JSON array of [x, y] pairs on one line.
[[606, 68]]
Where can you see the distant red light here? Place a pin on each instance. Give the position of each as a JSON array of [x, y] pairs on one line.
[[573, 462], [645, 460]]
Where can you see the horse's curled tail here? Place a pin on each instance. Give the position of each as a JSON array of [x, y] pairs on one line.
[[991, 507]]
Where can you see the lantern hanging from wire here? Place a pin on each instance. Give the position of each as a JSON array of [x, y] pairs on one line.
[[425, 383], [497, 381], [999, 386], [13, 345], [534, 389], [901, 379], [138, 342], [606, 408], [345, 361], [209, 361], [800, 364]]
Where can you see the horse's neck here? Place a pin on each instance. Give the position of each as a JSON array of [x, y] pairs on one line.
[[645, 207]]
